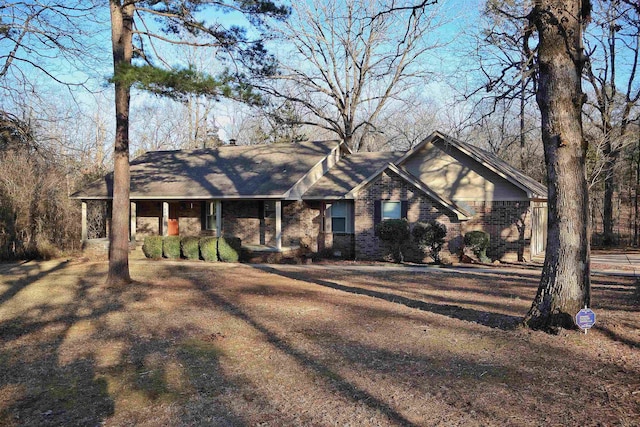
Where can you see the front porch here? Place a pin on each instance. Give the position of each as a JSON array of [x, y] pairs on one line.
[[263, 226]]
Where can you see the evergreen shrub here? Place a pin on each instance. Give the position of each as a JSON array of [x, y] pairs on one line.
[[190, 247], [209, 248], [152, 247], [478, 242], [171, 247], [395, 234], [229, 249], [430, 237]]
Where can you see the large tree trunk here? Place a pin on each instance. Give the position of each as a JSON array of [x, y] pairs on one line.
[[121, 37], [565, 284]]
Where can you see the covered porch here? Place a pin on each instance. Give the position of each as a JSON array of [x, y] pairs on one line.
[[258, 223]]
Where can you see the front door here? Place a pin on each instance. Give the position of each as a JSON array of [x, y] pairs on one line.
[[172, 227]]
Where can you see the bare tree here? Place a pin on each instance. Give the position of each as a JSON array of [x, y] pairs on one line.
[[41, 38], [506, 82], [613, 47], [499, 128], [348, 59], [565, 283], [36, 216], [405, 124]]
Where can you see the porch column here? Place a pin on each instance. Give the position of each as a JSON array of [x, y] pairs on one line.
[[84, 222], [279, 225], [133, 219], [218, 218], [165, 218]]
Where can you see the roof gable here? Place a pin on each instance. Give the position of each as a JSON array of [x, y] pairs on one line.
[[355, 172], [460, 213], [349, 173], [495, 165]]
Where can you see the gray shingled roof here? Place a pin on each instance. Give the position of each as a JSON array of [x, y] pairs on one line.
[[349, 173], [266, 171], [224, 172]]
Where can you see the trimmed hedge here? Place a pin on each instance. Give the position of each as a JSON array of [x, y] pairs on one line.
[[152, 247], [190, 247], [171, 247], [478, 242], [229, 249], [209, 248]]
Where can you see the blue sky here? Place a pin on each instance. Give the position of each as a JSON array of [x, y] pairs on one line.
[[463, 17]]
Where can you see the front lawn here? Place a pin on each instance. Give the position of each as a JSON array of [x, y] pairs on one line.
[[192, 343]]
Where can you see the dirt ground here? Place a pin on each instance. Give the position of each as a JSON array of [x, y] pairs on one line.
[[192, 343]]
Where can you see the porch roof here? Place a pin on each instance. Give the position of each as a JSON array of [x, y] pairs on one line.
[[264, 171]]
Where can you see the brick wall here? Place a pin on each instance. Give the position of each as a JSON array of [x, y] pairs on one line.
[[343, 245], [420, 208], [243, 219], [189, 215], [148, 219], [507, 222], [301, 224], [509, 225]]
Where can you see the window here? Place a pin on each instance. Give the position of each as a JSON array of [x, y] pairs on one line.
[[391, 210], [210, 215], [340, 213]]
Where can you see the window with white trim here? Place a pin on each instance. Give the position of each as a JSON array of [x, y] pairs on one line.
[[340, 214], [391, 210], [210, 215]]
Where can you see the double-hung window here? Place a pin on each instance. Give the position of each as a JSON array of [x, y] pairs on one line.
[[210, 215], [340, 214], [389, 209]]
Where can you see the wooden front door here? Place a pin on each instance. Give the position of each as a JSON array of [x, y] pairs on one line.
[[172, 227]]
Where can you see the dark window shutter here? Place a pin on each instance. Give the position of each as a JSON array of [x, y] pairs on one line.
[[404, 207], [203, 216], [377, 211]]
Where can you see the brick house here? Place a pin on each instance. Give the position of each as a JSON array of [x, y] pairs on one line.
[[322, 196]]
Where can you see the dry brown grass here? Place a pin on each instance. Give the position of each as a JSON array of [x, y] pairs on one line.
[[218, 344]]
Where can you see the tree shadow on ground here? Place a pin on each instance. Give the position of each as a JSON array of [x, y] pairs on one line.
[[64, 362], [634, 344], [486, 318], [341, 385], [30, 272], [48, 392]]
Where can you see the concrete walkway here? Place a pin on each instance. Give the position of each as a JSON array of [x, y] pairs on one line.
[[617, 259], [609, 265]]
